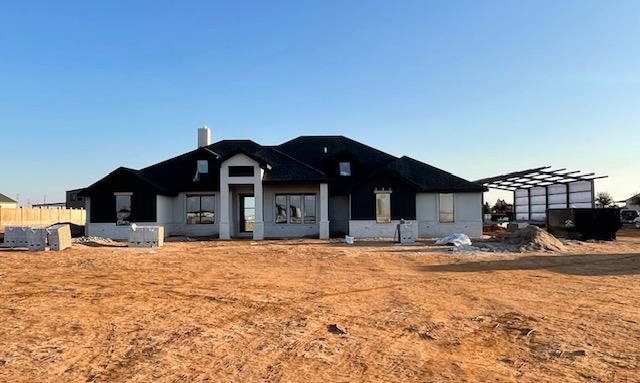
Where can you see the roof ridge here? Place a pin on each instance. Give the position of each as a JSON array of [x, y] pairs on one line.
[[429, 165], [343, 137]]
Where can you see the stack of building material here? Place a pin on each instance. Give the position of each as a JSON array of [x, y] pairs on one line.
[[15, 236], [406, 232], [59, 237], [146, 236], [37, 238]]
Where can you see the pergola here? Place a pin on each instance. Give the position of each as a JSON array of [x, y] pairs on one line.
[[538, 189]]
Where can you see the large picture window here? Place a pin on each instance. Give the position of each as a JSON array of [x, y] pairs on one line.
[[295, 208], [446, 208], [383, 206], [123, 208], [201, 209]]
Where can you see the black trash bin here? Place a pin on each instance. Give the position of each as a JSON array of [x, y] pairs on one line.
[[584, 224]]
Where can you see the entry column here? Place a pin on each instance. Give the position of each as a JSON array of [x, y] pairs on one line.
[[324, 211], [258, 225], [225, 226]]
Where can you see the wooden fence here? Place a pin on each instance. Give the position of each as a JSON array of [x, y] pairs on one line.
[[40, 217]]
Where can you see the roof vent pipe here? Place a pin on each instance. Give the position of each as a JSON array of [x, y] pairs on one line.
[[204, 136]]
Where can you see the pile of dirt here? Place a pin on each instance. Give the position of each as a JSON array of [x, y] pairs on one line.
[[530, 238], [493, 229]]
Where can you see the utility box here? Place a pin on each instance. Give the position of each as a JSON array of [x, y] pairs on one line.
[[59, 237], [37, 239], [406, 233], [584, 224], [15, 236], [146, 236]]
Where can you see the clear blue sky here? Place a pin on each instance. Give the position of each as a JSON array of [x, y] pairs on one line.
[[477, 88]]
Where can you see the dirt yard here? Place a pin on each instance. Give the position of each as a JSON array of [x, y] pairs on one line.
[[248, 312]]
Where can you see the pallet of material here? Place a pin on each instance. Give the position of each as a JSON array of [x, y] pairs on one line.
[[59, 237], [15, 236], [37, 238], [146, 236]]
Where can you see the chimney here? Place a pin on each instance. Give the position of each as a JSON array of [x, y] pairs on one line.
[[204, 136]]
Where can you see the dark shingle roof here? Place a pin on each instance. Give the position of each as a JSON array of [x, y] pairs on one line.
[[430, 178], [4, 198], [177, 174], [303, 159], [287, 168], [227, 147], [311, 150]]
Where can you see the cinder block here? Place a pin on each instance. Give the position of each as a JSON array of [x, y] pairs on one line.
[[37, 239], [407, 233], [15, 236], [146, 236], [59, 237]]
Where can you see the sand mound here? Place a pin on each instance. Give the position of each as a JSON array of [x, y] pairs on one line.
[[530, 238]]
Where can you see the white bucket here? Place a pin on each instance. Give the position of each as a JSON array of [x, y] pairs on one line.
[[348, 239]]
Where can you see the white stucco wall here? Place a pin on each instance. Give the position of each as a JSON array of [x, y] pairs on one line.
[[172, 214], [280, 230], [373, 229], [467, 219], [227, 224], [467, 208]]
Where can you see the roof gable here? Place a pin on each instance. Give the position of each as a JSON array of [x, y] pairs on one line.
[[5, 199], [325, 152]]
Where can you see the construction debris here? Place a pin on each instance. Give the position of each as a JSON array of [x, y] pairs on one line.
[[334, 329], [94, 241], [455, 239]]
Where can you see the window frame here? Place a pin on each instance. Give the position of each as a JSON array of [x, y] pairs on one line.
[[202, 166], [378, 216], [241, 171], [453, 208], [200, 211], [348, 163], [303, 208], [125, 221]]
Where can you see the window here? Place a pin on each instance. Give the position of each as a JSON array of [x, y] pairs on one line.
[[310, 208], [241, 171], [203, 166], [201, 209], [295, 208], [345, 169], [281, 209], [446, 207], [383, 206], [123, 208]]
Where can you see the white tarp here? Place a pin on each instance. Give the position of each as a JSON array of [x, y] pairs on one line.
[[456, 239]]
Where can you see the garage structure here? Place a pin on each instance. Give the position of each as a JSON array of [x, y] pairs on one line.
[[539, 189]]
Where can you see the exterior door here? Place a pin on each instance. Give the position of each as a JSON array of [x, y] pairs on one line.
[[247, 213]]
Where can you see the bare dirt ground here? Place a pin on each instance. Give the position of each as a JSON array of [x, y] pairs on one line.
[[247, 312]]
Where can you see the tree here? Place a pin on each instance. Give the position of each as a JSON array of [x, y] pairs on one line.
[[604, 199], [486, 209]]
